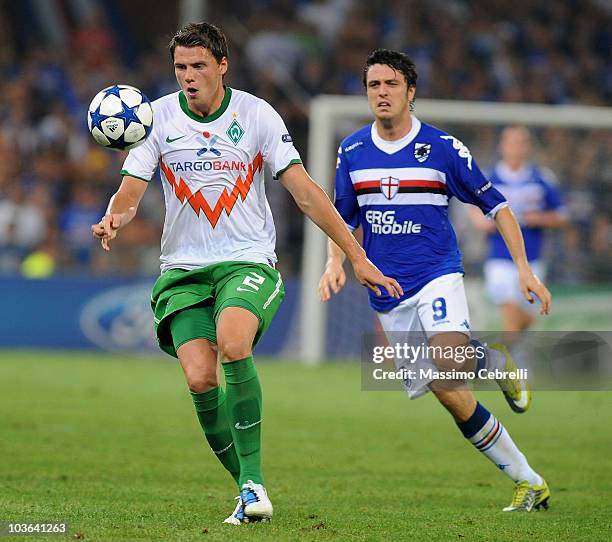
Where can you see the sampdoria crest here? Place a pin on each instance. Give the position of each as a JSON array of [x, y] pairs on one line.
[[421, 151]]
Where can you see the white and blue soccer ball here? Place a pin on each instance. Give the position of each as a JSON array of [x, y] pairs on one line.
[[120, 117]]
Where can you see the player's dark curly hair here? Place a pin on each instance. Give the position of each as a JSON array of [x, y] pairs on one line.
[[395, 59], [200, 35]]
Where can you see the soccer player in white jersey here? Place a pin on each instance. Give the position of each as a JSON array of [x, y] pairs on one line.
[[394, 179], [536, 200], [219, 290]]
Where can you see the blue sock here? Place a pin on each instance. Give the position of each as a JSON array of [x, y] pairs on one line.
[[475, 423]]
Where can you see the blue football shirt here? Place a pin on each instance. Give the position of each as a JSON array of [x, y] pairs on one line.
[[398, 191], [526, 189]]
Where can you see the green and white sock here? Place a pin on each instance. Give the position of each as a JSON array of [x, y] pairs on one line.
[[244, 406], [211, 409]]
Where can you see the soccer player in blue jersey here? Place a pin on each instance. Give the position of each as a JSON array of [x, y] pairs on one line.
[[394, 178], [534, 196]]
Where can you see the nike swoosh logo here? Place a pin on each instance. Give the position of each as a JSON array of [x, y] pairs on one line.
[[172, 139], [241, 289], [247, 426]]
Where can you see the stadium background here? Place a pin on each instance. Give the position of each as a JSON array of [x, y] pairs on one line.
[[60, 291], [55, 182]]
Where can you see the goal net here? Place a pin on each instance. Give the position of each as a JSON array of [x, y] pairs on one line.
[[575, 142]]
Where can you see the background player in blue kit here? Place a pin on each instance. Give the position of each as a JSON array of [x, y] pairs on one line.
[[394, 178], [536, 201]]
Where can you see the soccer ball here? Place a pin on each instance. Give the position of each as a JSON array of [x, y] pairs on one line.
[[120, 117]]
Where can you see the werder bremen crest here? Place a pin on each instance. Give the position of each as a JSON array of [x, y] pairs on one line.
[[235, 132], [421, 151]]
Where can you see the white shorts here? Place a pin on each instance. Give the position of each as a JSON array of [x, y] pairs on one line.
[[502, 282], [438, 307]]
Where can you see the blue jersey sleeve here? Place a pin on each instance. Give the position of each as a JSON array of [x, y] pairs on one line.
[[345, 198], [553, 199], [466, 182]]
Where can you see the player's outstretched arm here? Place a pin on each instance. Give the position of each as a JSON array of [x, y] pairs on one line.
[[528, 281], [315, 204], [545, 219], [334, 277], [121, 210]]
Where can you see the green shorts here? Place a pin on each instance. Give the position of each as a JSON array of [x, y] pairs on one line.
[[203, 293]]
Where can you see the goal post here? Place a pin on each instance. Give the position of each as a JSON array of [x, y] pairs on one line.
[[328, 111]]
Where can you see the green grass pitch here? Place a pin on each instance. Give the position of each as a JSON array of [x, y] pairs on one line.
[[112, 447]]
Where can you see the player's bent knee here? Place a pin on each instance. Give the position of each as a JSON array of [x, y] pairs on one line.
[[201, 382], [232, 349], [448, 351]]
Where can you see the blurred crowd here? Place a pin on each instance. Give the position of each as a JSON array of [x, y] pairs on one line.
[[55, 182]]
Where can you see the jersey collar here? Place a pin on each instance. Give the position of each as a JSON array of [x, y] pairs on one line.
[[214, 116], [391, 147], [520, 175]]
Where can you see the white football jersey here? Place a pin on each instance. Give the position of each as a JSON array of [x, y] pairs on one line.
[[212, 172]]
